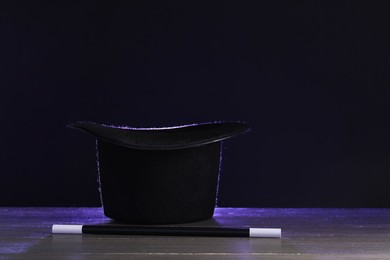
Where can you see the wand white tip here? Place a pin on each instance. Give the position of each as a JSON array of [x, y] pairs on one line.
[[265, 232], [67, 229]]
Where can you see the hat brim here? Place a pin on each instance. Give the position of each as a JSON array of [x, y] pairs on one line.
[[166, 138]]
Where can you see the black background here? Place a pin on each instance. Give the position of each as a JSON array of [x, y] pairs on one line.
[[310, 77]]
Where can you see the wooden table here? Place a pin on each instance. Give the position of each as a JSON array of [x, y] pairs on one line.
[[25, 233]]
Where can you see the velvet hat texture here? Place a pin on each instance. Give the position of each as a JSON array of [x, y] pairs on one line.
[[160, 175]]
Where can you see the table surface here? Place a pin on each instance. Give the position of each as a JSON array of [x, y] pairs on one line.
[[25, 233]]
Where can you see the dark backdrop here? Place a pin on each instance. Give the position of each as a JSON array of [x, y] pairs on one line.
[[310, 77]]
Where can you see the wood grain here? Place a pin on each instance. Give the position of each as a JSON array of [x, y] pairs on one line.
[[25, 233]]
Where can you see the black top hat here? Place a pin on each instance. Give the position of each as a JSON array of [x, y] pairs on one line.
[[160, 175]]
